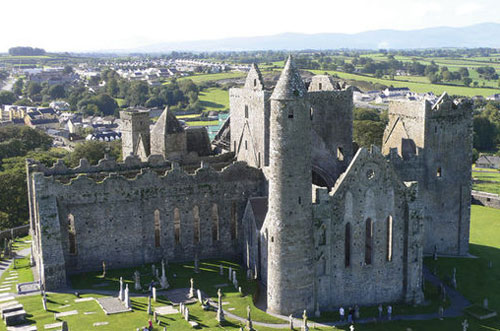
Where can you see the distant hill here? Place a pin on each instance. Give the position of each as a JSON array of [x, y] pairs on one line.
[[480, 35]]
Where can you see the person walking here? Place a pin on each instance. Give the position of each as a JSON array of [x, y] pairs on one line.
[[380, 311], [389, 312], [341, 313]]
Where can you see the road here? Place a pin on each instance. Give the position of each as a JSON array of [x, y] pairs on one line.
[[8, 84]]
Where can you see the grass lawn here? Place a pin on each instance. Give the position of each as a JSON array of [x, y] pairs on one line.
[[214, 99], [200, 78], [492, 177], [475, 280], [120, 102], [202, 123]]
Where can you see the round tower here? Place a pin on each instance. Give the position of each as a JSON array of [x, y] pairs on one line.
[[290, 281]]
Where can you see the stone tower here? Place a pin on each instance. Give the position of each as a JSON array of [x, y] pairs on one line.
[[135, 132], [290, 282], [249, 123], [168, 137], [432, 144]]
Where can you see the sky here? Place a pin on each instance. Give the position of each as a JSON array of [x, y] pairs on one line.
[[93, 25]]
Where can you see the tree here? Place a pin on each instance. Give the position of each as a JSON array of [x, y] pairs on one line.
[[112, 87], [68, 70], [348, 67], [57, 92], [367, 133], [93, 151], [485, 133], [464, 72], [365, 114], [7, 98], [467, 81], [17, 88], [33, 89], [138, 94]]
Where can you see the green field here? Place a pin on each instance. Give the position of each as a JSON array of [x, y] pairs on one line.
[[200, 78], [492, 177], [414, 86], [214, 99]]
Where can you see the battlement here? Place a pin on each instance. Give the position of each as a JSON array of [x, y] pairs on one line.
[[326, 83], [238, 171], [131, 163]]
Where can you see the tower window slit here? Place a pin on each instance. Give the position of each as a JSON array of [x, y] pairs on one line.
[[177, 226], [215, 223], [389, 238], [347, 243], [196, 225], [368, 241], [157, 227]]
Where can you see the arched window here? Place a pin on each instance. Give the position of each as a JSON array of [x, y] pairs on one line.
[[157, 228], [177, 226], [215, 222], [389, 238], [196, 224], [368, 241], [71, 234], [234, 216], [347, 243]]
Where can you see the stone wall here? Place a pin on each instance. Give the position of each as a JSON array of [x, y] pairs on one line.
[[432, 144], [131, 221], [486, 199], [368, 196]]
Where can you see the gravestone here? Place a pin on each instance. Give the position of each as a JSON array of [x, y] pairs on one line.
[[240, 290], [154, 294], [305, 327], [200, 299], [186, 314], [465, 325], [191, 289], [230, 273], [103, 269], [163, 281], [121, 294], [249, 326], [44, 302], [220, 312], [290, 321], [137, 278], [149, 305], [127, 297]]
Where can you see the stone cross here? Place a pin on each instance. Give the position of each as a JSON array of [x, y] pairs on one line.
[[221, 270], [230, 273], [127, 297], [120, 294], [220, 312], [200, 299], [317, 313], [191, 290], [235, 283], [186, 314], [137, 277], [454, 278], [465, 325], [234, 274], [249, 326], [44, 302], [149, 305], [103, 269], [163, 281], [240, 290], [154, 294], [155, 317], [196, 264], [290, 321], [304, 317], [181, 308]]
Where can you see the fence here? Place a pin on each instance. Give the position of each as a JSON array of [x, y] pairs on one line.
[[19, 231]]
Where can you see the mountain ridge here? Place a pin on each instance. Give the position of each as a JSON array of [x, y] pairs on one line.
[[478, 35]]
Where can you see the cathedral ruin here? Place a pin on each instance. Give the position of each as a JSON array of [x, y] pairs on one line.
[[319, 222]]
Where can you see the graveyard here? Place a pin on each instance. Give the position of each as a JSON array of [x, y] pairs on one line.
[[80, 306]]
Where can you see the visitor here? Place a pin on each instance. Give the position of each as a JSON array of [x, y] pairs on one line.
[[380, 310], [341, 313], [389, 312], [349, 315], [150, 325]]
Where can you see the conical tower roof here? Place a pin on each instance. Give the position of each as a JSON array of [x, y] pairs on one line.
[[290, 85]]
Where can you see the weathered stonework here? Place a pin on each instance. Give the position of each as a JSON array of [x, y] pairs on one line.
[[322, 225], [432, 144]]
